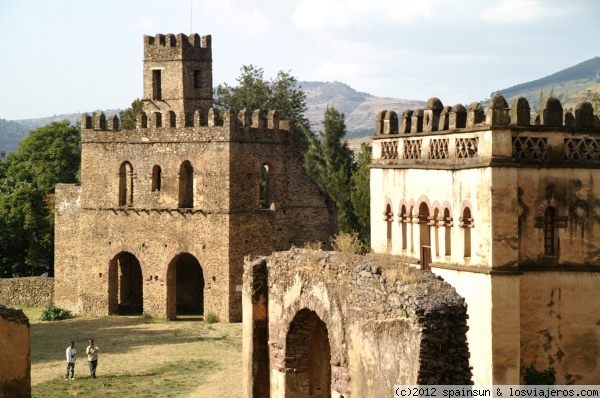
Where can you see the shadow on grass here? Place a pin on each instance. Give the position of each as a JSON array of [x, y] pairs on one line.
[[169, 380], [116, 334]]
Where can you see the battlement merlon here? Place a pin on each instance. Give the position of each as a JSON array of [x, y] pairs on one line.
[[252, 126], [171, 47], [435, 118]]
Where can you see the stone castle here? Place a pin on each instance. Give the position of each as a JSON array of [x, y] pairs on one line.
[[507, 210], [166, 212]]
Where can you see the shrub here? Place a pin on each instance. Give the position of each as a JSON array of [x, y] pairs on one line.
[[539, 377], [348, 243], [211, 317], [53, 313]]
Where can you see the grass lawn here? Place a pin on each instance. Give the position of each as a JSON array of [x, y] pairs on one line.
[[138, 357]]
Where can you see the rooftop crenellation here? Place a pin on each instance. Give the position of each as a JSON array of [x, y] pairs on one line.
[[179, 40], [437, 117]]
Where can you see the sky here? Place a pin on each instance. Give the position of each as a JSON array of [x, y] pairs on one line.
[[65, 56]]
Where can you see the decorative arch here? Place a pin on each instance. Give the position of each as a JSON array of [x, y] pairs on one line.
[[125, 285], [125, 184], [466, 223], [308, 354], [447, 222], [186, 185], [389, 219]]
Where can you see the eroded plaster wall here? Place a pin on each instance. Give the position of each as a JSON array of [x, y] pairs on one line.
[[15, 365]]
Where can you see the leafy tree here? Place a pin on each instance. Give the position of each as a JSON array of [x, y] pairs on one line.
[[255, 92], [49, 155], [129, 115], [329, 162], [360, 195], [596, 103]]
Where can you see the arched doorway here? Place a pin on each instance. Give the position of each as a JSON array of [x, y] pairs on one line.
[[308, 352], [185, 286], [125, 285]]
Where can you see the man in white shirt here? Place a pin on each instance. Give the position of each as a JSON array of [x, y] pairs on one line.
[[71, 354], [92, 355]]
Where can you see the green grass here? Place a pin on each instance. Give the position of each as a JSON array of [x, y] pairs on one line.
[[171, 380], [139, 357]]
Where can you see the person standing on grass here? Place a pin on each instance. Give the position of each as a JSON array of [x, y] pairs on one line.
[[71, 354], [92, 354]]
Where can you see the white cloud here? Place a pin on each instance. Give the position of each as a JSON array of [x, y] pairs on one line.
[[146, 24], [524, 11], [342, 14]]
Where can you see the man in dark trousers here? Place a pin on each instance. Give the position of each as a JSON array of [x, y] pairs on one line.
[[92, 355]]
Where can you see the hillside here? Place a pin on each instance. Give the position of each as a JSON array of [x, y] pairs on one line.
[[570, 82], [358, 107]]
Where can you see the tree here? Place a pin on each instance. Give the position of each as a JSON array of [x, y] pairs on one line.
[[360, 195], [49, 155], [329, 162], [596, 103], [255, 92], [128, 116]]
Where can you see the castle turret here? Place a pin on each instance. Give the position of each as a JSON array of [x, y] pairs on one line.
[[177, 73]]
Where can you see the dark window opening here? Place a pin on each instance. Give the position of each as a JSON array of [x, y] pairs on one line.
[[403, 219], [186, 185], [156, 84], [264, 198], [389, 217], [197, 78], [447, 233], [467, 222], [156, 178]]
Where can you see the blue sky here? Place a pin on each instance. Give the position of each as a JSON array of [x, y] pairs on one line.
[[64, 56]]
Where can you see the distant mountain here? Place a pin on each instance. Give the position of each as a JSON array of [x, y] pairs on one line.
[[13, 131], [563, 84], [358, 107]]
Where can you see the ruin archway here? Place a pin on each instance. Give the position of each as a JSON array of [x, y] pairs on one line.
[[307, 357], [185, 286], [125, 285]]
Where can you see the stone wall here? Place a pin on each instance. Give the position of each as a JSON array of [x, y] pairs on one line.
[[355, 325], [15, 365], [30, 291]]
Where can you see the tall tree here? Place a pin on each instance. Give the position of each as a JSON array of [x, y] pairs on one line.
[[129, 115], [49, 155], [360, 195], [329, 162]]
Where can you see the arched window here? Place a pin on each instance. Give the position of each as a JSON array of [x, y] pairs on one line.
[[403, 219], [264, 199], [186, 185], [156, 178], [447, 232], [436, 228], [389, 217], [467, 223], [424, 235], [125, 184], [550, 235]]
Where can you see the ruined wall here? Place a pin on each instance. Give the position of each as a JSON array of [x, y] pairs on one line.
[[15, 364], [380, 332], [30, 291]]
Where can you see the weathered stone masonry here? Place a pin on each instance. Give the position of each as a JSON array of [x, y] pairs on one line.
[[330, 324], [166, 212], [31, 291]]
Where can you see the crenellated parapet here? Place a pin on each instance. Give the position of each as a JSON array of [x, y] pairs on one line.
[[456, 136], [435, 117], [259, 125], [170, 46]]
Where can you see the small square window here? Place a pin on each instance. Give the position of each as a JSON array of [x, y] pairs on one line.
[[197, 78]]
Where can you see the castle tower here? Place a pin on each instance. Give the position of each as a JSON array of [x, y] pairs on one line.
[[177, 74]]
